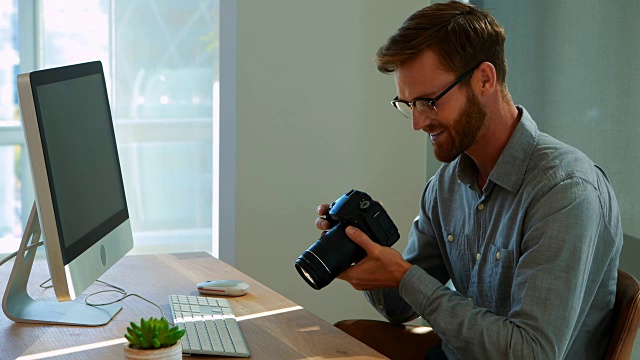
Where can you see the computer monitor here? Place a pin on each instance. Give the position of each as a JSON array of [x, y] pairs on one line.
[[80, 207]]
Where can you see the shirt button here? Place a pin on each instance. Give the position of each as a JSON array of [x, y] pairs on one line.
[[478, 256], [498, 255], [450, 238], [481, 207]]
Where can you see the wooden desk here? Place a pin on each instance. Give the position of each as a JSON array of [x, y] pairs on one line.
[[292, 333]]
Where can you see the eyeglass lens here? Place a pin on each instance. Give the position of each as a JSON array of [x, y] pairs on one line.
[[422, 106]]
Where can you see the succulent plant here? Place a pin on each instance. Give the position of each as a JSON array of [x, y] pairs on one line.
[[152, 334]]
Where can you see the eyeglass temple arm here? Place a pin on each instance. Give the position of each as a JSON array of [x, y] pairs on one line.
[[462, 77]]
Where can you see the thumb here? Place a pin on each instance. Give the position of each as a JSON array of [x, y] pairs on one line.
[[360, 238]]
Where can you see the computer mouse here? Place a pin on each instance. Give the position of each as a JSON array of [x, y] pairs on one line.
[[223, 287]]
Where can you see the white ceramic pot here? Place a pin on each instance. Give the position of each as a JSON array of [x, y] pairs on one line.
[[169, 353]]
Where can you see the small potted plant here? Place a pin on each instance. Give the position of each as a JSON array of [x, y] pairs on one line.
[[153, 339]]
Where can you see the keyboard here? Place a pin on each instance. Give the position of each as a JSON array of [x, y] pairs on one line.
[[211, 327]]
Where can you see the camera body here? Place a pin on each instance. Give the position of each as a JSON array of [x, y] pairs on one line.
[[334, 252]]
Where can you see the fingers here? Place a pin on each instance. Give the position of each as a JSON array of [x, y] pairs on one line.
[[323, 209], [321, 222], [345, 275], [350, 276], [361, 239]]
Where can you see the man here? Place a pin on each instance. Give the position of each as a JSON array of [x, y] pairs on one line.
[[527, 228]]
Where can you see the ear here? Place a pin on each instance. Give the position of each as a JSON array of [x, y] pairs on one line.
[[485, 80]]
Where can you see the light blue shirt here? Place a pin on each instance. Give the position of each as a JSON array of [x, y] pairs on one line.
[[533, 258]]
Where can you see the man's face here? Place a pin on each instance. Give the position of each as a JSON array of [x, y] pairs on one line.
[[461, 117]]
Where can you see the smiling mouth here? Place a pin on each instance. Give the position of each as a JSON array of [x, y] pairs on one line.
[[434, 135]]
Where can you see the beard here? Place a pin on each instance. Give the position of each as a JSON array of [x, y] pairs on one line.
[[464, 132]]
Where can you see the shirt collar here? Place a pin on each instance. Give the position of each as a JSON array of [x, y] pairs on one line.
[[512, 164]]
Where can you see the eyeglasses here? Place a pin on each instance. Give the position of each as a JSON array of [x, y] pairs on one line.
[[427, 106]]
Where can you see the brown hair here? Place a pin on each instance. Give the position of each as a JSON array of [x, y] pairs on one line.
[[460, 34]]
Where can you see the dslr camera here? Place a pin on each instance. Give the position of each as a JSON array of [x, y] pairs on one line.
[[334, 252]]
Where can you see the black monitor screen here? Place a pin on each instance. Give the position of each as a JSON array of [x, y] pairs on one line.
[[81, 158]]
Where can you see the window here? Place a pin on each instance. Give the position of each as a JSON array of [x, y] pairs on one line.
[[160, 60]]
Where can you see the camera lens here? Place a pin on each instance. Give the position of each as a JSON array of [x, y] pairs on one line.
[[312, 270], [306, 275], [328, 257]]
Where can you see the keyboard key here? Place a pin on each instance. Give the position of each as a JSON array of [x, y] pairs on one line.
[[211, 327]]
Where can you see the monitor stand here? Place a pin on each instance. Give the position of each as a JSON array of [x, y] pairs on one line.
[[20, 307]]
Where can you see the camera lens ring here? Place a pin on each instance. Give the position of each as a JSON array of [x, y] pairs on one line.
[[320, 260], [313, 271]]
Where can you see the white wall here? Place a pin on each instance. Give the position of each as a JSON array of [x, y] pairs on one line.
[[314, 121]]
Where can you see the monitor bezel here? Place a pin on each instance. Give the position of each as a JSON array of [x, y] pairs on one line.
[[72, 268], [56, 75]]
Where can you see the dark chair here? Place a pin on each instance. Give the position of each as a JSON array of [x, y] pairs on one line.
[[626, 312], [397, 342], [413, 342]]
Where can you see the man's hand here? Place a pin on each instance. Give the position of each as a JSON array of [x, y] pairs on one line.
[[321, 222], [383, 267]]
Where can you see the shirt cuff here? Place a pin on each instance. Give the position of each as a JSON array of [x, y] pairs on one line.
[[416, 287]]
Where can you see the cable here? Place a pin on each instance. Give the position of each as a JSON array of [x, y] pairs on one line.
[[33, 246], [124, 296], [46, 287], [86, 300]]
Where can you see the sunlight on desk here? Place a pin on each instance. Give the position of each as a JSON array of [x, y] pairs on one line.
[[72, 350], [311, 328], [268, 313]]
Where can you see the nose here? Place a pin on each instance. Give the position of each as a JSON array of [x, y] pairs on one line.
[[419, 120]]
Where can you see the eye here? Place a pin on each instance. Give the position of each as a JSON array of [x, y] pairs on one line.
[[422, 104]]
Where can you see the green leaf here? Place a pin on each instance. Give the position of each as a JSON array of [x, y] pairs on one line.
[[153, 333]]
